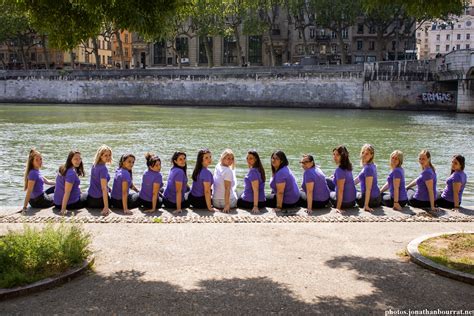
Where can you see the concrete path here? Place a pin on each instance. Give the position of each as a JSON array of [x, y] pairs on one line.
[[252, 269]]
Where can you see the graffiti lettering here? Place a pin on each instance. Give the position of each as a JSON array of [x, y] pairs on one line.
[[433, 97]]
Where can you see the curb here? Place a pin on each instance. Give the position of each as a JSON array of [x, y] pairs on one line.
[[46, 283], [421, 260]]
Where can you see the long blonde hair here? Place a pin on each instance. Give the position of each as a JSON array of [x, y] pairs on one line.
[[225, 153], [371, 150], [29, 165], [100, 152], [428, 155]]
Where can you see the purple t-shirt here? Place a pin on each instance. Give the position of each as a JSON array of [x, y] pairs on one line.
[[35, 175], [98, 172], [121, 175], [369, 170], [320, 187], [291, 194], [149, 178], [71, 177], [176, 174], [251, 176], [349, 194], [421, 192], [198, 186], [448, 192], [397, 173]]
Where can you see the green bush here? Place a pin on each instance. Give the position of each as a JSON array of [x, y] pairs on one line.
[[32, 255]]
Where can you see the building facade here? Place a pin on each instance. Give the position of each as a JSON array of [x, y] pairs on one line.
[[435, 38]]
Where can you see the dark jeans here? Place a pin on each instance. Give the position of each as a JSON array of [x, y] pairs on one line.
[[441, 202], [169, 204], [272, 201], [93, 202], [333, 199], [416, 203], [316, 204], [387, 200], [81, 203], [197, 201], [373, 202], [132, 202], [44, 200], [148, 204]]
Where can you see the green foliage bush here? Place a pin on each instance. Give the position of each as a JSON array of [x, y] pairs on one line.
[[31, 255]]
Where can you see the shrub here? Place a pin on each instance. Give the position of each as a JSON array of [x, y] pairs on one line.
[[32, 255]]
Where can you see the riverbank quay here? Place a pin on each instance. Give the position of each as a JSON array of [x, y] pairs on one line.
[[247, 269], [266, 215], [408, 85]]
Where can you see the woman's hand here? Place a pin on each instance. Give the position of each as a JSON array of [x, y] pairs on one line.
[[397, 206], [309, 211], [255, 210], [105, 211], [226, 209]]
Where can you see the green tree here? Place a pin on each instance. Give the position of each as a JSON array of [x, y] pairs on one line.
[[301, 16], [337, 15]]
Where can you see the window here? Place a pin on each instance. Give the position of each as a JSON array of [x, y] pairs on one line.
[[2, 56], [333, 35], [448, 37], [109, 60], [87, 58], [467, 46], [426, 40], [459, 36], [300, 34], [103, 59], [159, 53], [372, 31], [334, 48], [182, 47], [359, 59], [203, 58], [458, 46], [255, 50], [468, 23], [275, 29], [426, 46], [438, 37], [126, 38], [468, 36], [371, 45], [126, 52], [230, 51], [109, 45], [312, 32], [394, 45], [299, 50], [345, 33], [447, 48], [417, 34], [359, 45], [33, 56], [360, 28], [371, 59]]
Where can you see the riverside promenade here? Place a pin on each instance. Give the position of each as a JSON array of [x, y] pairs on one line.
[[245, 264]]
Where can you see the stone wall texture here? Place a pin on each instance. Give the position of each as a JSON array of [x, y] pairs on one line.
[[294, 92]]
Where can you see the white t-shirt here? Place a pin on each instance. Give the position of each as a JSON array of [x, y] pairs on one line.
[[221, 174]]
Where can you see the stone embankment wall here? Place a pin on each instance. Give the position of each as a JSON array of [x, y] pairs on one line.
[[342, 92]]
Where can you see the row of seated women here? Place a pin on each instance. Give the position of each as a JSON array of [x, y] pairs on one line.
[[210, 191]]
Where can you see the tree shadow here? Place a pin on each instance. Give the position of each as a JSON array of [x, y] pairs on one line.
[[393, 285]]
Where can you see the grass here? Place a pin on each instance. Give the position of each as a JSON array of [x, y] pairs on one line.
[[453, 251], [31, 255]]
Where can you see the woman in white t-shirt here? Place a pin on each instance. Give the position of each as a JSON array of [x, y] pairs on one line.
[[223, 193]]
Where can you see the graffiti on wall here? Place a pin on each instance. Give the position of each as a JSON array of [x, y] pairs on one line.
[[437, 97]]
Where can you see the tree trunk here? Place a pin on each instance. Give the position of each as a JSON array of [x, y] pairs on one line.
[[45, 51], [239, 47], [120, 49], [305, 42], [209, 55], [341, 45], [397, 41], [272, 50], [72, 60], [95, 49], [23, 58]]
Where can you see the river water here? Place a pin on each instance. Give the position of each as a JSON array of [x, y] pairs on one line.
[[54, 130]]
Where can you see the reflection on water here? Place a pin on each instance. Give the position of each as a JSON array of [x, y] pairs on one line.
[[54, 130]]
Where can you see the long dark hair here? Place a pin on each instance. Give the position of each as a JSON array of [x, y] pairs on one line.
[[283, 159], [79, 170], [151, 159], [122, 160], [175, 156], [199, 159], [310, 159], [461, 160], [258, 163], [29, 165], [345, 163]]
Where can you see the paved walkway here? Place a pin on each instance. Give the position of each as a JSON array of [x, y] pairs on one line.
[[381, 214], [284, 269]]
